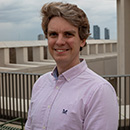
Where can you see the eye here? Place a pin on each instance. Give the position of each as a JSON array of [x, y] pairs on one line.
[[52, 34], [69, 34]]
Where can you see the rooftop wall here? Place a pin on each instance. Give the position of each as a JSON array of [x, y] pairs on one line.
[[34, 57]]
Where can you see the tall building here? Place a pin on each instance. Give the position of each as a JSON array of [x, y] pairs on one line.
[[41, 37], [96, 32], [106, 33]]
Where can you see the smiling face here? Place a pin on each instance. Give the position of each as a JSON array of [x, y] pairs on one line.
[[64, 43]]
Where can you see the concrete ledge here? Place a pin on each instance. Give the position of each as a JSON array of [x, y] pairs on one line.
[[98, 56], [103, 64], [17, 44]]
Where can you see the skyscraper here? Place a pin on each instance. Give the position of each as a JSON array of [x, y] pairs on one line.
[[106, 33], [41, 37], [96, 32]]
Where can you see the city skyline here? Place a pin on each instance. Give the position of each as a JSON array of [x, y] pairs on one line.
[[97, 33]]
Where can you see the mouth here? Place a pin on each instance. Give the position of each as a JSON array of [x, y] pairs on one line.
[[61, 50]]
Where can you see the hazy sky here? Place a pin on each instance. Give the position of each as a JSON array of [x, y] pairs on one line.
[[21, 20]]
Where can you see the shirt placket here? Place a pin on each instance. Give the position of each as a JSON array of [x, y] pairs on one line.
[[51, 101]]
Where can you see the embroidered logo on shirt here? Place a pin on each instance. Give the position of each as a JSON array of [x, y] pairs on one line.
[[64, 111]]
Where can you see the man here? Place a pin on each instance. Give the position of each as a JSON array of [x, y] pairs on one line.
[[71, 97]]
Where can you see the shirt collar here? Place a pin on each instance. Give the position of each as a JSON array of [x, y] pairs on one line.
[[55, 73], [72, 72]]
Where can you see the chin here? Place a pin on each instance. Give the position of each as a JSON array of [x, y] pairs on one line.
[[60, 60]]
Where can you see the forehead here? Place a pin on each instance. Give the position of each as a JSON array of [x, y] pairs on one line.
[[60, 24]]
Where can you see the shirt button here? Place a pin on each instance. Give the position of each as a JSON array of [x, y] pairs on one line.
[[44, 127], [49, 106], [57, 87]]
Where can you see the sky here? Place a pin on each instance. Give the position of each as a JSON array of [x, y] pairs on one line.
[[20, 20]]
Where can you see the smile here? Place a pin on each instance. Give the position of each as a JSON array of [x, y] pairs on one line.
[[58, 50]]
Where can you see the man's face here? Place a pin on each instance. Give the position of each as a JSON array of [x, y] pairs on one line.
[[64, 42]]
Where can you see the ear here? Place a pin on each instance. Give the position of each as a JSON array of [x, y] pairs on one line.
[[83, 42]]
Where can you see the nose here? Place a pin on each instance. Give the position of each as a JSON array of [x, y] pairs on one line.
[[60, 40]]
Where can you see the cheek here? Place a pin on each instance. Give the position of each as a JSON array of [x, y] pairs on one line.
[[74, 44], [50, 42], [71, 43]]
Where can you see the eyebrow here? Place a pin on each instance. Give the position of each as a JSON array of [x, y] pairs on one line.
[[50, 31], [68, 31]]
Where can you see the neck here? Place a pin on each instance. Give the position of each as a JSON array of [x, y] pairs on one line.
[[62, 67]]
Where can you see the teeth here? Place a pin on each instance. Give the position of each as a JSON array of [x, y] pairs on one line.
[[60, 50]]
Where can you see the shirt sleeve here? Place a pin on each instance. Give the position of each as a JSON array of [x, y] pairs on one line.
[[102, 113], [28, 124], [35, 91]]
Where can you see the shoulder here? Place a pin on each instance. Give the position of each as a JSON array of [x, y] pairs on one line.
[[95, 82], [43, 78], [91, 77], [41, 81], [101, 88]]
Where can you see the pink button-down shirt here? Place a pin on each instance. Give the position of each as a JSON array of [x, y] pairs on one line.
[[78, 99]]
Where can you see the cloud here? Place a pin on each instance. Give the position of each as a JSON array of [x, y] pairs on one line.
[[21, 20], [17, 11]]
